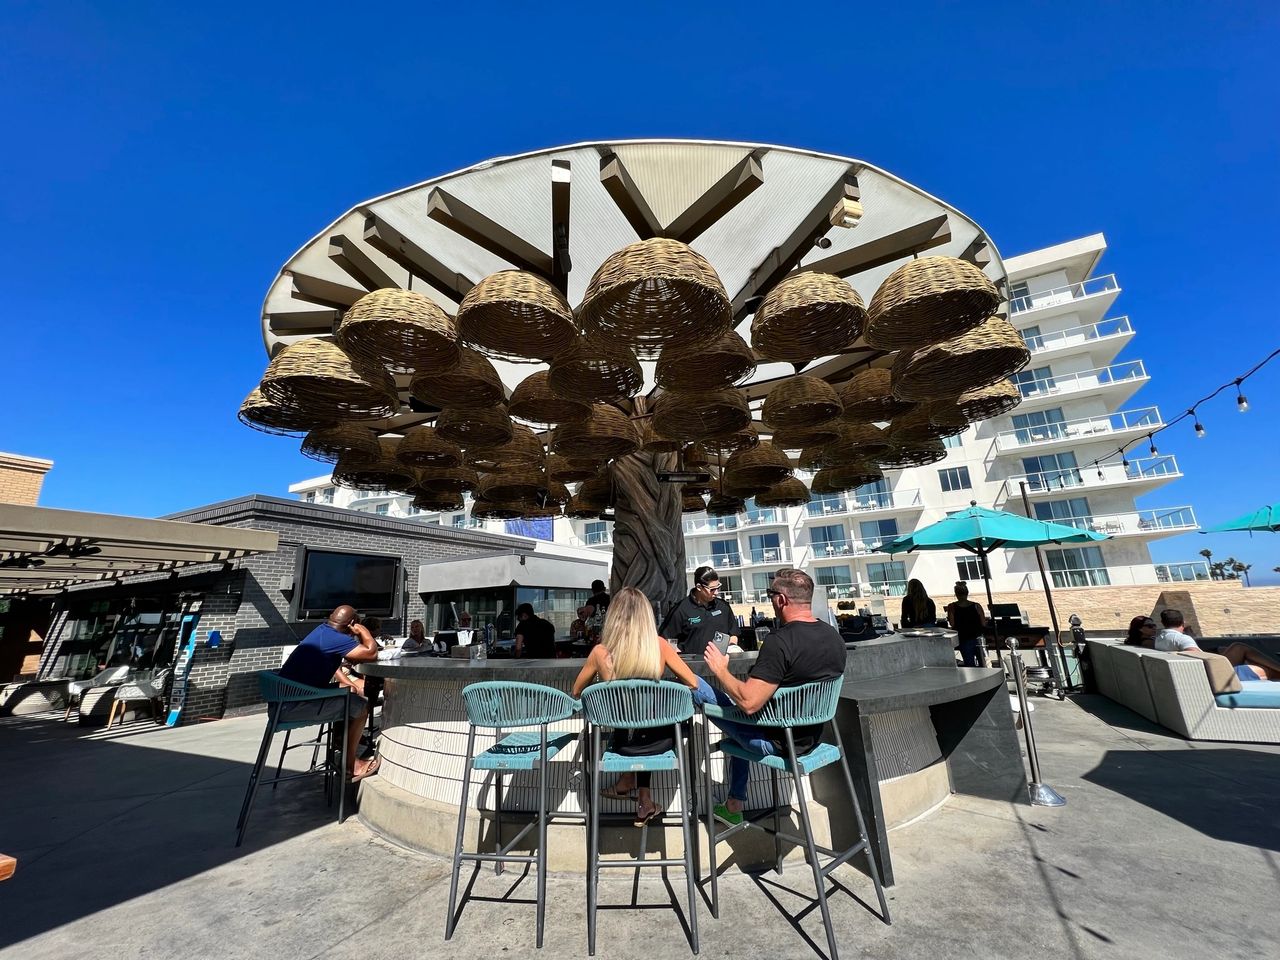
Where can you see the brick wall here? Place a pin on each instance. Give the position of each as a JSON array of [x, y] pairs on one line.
[[21, 478]]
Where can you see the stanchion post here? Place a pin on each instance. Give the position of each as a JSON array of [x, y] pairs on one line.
[[1042, 795]]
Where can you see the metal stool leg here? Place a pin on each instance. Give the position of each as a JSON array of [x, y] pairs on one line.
[[872, 866], [247, 807], [342, 771], [497, 809], [457, 844], [593, 842], [542, 835], [820, 881], [777, 821], [280, 765], [712, 842], [687, 832]]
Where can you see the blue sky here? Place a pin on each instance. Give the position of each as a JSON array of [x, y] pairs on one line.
[[163, 160]]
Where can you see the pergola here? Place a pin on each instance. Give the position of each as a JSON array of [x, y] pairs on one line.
[[744, 229], [43, 550]]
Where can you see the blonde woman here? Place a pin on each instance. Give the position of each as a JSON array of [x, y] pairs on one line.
[[630, 649]]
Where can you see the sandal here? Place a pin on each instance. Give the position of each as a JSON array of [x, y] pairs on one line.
[[369, 771], [643, 819]]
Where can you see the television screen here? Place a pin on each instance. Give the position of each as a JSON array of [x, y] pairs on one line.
[[329, 580]]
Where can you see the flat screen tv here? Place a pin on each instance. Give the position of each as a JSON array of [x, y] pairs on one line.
[[368, 582]]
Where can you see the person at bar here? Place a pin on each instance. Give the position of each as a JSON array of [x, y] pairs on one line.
[[534, 636], [969, 621], [631, 649], [918, 610], [693, 622]]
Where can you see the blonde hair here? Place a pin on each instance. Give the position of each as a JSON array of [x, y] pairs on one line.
[[631, 638]]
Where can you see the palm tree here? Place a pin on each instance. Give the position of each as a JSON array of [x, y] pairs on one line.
[[1242, 570], [1208, 556]]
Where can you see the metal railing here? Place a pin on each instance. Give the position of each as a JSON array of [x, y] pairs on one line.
[[699, 525], [1085, 428], [1057, 384], [1104, 474], [1059, 295], [721, 561], [864, 503], [883, 588], [760, 518], [1188, 570], [739, 558], [1135, 521], [830, 549], [1081, 577], [1086, 333], [597, 538]]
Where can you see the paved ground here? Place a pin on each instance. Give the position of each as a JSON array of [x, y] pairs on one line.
[[124, 841]]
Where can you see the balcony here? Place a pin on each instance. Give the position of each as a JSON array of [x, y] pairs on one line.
[[1080, 577], [1188, 571], [1137, 523], [721, 561], [597, 538], [739, 558], [835, 549], [1105, 338], [887, 501], [1117, 383], [700, 526], [373, 496], [1146, 472], [1066, 298], [763, 518], [1044, 437]]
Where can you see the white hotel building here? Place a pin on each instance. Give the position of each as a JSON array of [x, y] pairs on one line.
[[1079, 405]]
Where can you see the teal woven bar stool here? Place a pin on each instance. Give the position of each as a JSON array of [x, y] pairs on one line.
[[637, 705], [331, 704], [811, 704], [501, 705]]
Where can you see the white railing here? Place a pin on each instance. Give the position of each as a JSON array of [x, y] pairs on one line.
[[1182, 572], [358, 496], [1059, 295], [831, 549], [864, 503], [1071, 336], [1082, 577], [597, 538], [721, 561], [1057, 384], [1086, 428], [739, 558], [883, 588], [778, 554], [761, 518], [1135, 521], [699, 525], [1104, 474]]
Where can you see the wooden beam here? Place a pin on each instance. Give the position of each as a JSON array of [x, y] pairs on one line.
[[725, 194], [390, 242], [304, 321], [784, 258], [346, 253], [560, 262], [898, 245], [978, 253], [626, 195], [484, 232], [326, 293]]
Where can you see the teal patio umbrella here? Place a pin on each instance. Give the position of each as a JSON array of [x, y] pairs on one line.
[[1264, 518]]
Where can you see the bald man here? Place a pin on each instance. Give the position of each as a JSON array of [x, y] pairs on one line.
[[317, 662]]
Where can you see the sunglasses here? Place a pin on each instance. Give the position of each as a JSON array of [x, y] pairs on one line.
[[774, 593]]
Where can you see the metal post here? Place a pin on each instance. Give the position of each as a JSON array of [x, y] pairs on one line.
[[1063, 676], [995, 630], [1042, 795]]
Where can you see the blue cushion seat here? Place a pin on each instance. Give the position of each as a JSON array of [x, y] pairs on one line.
[[618, 763], [521, 750], [1253, 693], [815, 759]]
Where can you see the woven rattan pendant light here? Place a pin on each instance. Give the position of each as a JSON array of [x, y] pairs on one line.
[[789, 493], [399, 329], [479, 427], [716, 413], [928, 300], [762, 465], [516, 315], [606, 435], [695, 365], [447, 480], [983, 403], [471, 383], [533, 401], [801, 401], [422, 447], [261, 414], [351, 440], [984, 355], [595, 368], [807, 315], [868, 398], [316, 378]]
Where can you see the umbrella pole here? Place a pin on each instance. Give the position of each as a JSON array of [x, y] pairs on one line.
[[1061, 671], [995, 630]]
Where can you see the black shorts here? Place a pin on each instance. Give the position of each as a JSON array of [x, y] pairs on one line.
[[328, 710]]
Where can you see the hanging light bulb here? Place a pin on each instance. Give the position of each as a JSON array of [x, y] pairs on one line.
[[1199, 429], [1099, 473], [1124, 461], [1242, 402], [1152, 442]]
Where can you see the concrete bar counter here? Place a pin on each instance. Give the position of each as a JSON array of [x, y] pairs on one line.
[[917, 729]]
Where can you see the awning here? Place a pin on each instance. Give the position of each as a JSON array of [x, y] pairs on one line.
[[528, 569], [43, 550]]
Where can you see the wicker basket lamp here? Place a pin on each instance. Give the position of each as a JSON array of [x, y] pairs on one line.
[[516, 316], [920, 424], [260, 413], [789, 493], [606, 435], [653, 442], [384, 473], [725, 505], [557, 493], [437, 502], [316, 378], [515, 483], [655, 292], [762, 466], [489, 510], [807, 315], [696, 365], [524, 448], [696, 455], [692, 502], [421, 447], [480, 427], [928, 300], [533, 401], [743, 488], [400, 329], [868, 397], [470, 384], [330, 444], [564, 470], [716, 413], [841, 479], [801, 401], [797, 438], [858, 441], [731, 443], [595, 368], [920, 454], [988, 353], [593, 497], [447, 480], [983, 403]]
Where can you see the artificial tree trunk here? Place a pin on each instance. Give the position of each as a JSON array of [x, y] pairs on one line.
[[648, 538]]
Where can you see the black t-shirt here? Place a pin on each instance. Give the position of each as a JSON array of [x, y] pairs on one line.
[[692, 625], [600, 601], [796, 653], [539, 637]]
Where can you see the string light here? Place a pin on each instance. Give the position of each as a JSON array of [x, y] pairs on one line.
[[1152, 442], [1199, 429], [1242, 402]]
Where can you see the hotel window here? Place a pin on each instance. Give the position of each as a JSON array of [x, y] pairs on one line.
[[968, 567], [1078, 567], [1019, 291], [1073, 512], [953, 443], [595, 532], [888, 579], [310, 496], [954, 478], [1032, 382], [1041, 425], [827, 541], [1052, 471], [458, 520], [837, 579], [382, 509], [725, 553], [326, 495], [874, 531], [1031, 337]]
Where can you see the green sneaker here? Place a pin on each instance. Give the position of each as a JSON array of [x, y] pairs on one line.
[[728, 816]]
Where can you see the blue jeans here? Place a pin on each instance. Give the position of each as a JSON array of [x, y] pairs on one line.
[[744, 734]]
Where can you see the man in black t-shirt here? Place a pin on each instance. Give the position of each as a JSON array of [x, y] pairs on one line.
[[802, 650], [534, 636]]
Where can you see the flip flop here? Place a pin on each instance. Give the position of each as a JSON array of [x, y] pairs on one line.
[[369, 771], [641, 821], [610, 794]]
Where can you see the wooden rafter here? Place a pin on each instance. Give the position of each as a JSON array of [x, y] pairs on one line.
[[393, 244], [297, 322], [725, 194], [898, 245], [978, 253], [326, 293], [347, 253], [487, 233], [560, 262], [626, 195]]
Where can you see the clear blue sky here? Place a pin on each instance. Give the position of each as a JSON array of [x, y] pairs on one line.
[[162, 160]]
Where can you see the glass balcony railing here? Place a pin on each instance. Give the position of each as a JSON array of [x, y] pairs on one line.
[[1134, 522], [1103, 475], [828, 549], [596, 538], [1086, 429], [1059, 295], [778, 554], [739, 558], [760, 518], [1187, 571], [864, 503], [1081, 577], [1073, 336], [702, 524], [883, 588], [721, 561], [1058, 384]]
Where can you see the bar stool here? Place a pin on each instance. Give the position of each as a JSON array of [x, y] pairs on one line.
[[810, 704], [277, 691], [501, 705], [634, 705]]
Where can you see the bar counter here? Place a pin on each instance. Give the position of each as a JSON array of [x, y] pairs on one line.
[[917, 729]]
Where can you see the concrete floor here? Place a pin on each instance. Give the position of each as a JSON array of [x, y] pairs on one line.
[[124, 842]]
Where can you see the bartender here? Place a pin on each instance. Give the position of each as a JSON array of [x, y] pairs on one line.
[[697, 618]]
